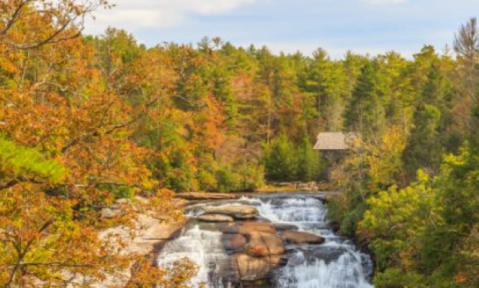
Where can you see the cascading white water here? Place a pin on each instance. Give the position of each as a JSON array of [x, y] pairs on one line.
[[295, 211], [202, 247], [334, 264], [347, 270]]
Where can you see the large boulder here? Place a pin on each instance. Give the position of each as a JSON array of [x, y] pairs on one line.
[[253, 269], [299, 238], [233, 242], [158, 230], [239, 212], [264, 245], [249, 227], [261, 238], [215, 218]]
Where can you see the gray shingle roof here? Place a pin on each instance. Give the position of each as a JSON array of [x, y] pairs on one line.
[[334, 141]]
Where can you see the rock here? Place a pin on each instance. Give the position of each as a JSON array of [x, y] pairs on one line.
[[248, 228], [108, 213], [148, 232], [284, 227], [264, 244], [238, 212], [327, 254], [233, 242], [253, 269], [206, 196], [207, 226], [160, 230], [215, 218], [296, 237]]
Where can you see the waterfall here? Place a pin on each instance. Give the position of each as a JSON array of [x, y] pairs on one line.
[[202, 247], [335, 264], [345, 272], [350, 269]]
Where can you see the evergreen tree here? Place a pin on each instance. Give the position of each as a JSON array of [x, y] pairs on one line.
[[281, 160], [365, 112], [308, 162], [424, 148]]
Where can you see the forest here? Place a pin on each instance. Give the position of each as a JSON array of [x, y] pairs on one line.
[[86, 120]]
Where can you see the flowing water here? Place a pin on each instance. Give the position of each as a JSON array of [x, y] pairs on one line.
[[335, 264]]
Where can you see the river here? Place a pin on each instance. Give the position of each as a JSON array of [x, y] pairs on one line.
[[336, 263]]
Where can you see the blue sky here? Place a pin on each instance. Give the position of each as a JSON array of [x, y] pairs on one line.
[[363, 26]]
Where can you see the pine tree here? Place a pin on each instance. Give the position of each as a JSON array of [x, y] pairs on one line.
[[308, 162], [365, 112], [424, 148], [281, 160]]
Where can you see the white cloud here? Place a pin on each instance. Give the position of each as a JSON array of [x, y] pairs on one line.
[[159, 13]]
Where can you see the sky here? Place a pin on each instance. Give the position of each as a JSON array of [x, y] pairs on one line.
[[362, 26]]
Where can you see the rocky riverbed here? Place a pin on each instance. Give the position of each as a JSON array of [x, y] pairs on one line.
[[273, 240]]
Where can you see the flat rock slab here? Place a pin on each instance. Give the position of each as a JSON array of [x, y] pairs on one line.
[[296, 237], [206, 196], [249, 228], [237, 212], [215, 218], [284, 227]]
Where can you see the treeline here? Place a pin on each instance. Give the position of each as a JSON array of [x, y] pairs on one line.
[[87, 120], [410, 186]]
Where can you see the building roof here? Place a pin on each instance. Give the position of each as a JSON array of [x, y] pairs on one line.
[[334, 141]]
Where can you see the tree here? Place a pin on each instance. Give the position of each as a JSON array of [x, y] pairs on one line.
[[425, 148], [325, 81], [365, 112], [466, 45], [64, 21], [280, 159], [397, 221], [66, 151], [309, 162]]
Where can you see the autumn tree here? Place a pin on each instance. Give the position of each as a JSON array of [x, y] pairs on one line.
[[65, 151], [466, 45]]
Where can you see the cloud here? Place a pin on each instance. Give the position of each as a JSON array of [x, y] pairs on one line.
[[160, 13]]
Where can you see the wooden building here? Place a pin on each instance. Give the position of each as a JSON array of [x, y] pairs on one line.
[[333, 146]]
